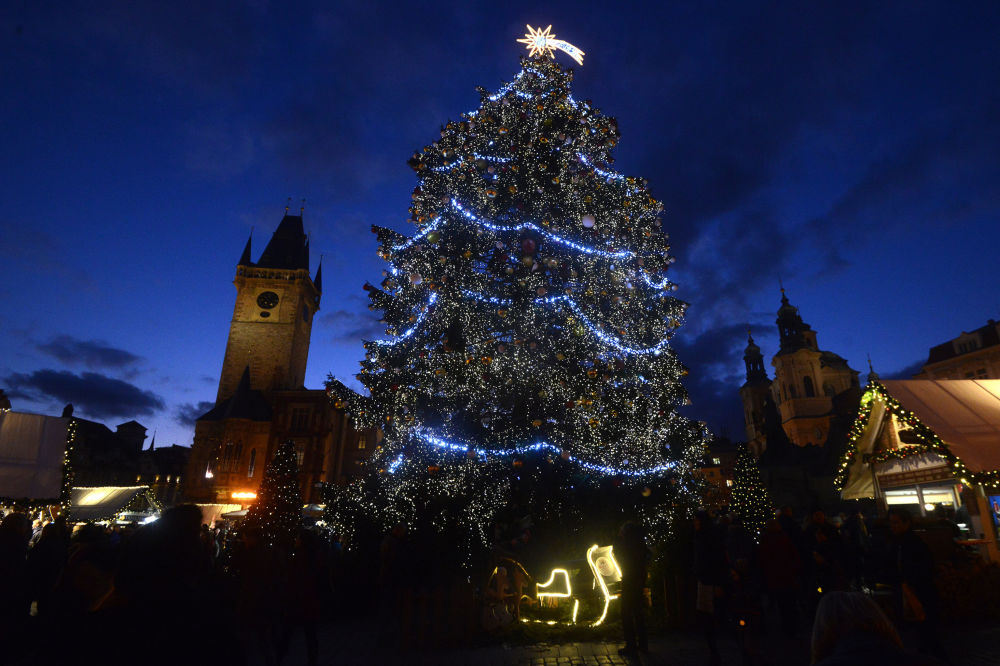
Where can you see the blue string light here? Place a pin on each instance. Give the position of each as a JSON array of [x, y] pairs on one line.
[[445, 445], [413, 329], [423, 232], [482, 298], [607, 339], [618, 254]]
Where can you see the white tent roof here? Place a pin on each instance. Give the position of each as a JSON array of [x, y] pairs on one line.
[[102, 502], [964, 413], [32, 448]]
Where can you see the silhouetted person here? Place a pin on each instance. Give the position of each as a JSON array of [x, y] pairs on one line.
[[823, 554], [780, 566], [851, 630], [710, 570], [856, 543], [391, 572], [257, 571], [46, 561], [307, 576], [162, 569], [914, 569], [15, 597], [632, 555]]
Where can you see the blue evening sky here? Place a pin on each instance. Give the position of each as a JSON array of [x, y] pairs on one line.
[[848, 149]]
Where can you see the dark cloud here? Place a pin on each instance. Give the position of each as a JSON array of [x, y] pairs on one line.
[[714, 358], [187, 413], [90, 353], [349, 326], [95, 394]]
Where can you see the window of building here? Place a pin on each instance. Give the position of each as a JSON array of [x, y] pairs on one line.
[[253, 463], [793, 391], [968, 346], [729, 483], [716, 461], [807, 383], [300, 418], [300, 456], [362, 441]]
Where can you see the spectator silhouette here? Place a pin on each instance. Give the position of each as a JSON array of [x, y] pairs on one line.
[[917, 594], [162, 570], [307, 576], [780, 566], [46, 562], [15, 595], [632, 555], [710, 572]]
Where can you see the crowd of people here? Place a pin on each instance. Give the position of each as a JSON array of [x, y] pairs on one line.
[[172, 591], [175, 590], [818, 568]]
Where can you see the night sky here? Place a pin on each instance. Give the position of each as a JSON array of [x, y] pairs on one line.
[[848, 150]]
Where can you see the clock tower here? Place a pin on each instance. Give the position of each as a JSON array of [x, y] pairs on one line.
[[276, 300]]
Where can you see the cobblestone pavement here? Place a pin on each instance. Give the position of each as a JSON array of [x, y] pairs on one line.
[[354, 643]]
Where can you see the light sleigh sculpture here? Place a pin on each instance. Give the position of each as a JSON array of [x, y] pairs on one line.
[[529, 316]]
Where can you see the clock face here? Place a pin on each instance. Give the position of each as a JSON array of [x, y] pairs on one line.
[[267, 300]]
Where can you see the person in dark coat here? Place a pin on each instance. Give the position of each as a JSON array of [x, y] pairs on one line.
[[710, 571], [45, 563], [917, 594], [851, 630], [15, 595], [307, 576], [632, 555], [780, 566]]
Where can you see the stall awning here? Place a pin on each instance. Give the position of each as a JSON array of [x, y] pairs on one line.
[[102, 502], [964, 413], [32, 448]]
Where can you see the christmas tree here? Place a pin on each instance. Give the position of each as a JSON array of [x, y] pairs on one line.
[[530, 316], [749, 498], [277, 513]]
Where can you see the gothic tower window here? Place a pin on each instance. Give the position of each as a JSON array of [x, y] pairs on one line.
[[807, 383], [253, 462]]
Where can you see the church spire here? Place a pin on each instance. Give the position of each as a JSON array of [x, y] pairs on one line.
[[318, 280], [754, 361], [792, 331], [289, 247], [245, 259]]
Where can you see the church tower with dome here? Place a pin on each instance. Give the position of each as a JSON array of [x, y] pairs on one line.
[[803, 395]]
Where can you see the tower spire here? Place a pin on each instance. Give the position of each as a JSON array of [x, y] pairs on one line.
[[245, 259], [318, 280], [754, 361]]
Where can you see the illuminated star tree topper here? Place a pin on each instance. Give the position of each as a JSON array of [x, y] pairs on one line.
[[542, 42]]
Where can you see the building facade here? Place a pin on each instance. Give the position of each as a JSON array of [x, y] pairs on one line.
[[261, 400], [803, 395], [972, 355]]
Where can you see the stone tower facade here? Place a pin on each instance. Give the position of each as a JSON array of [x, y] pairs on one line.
[[276, 300], [802, 395], [262, 402]]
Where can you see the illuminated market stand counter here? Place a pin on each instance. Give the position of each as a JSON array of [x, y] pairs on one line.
[[929, 444]]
